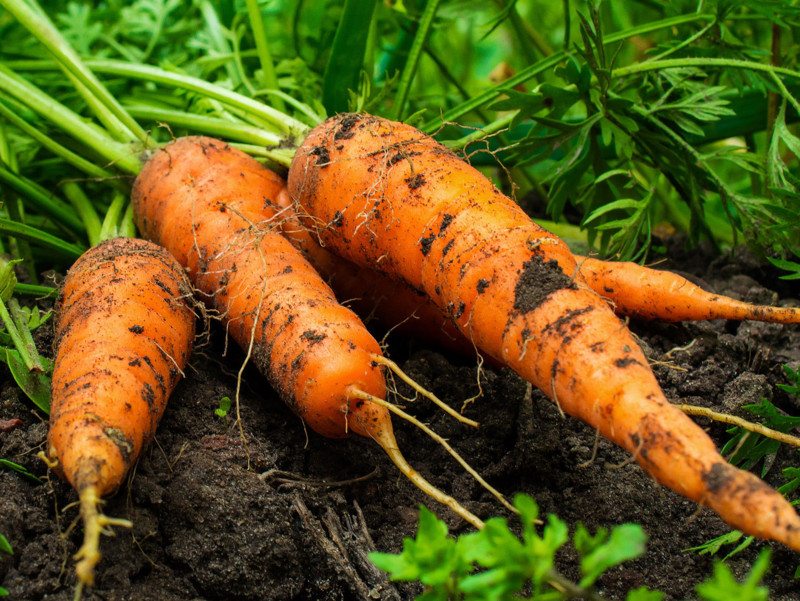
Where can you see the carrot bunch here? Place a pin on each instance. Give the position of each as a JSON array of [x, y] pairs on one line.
[[213, 207], [382, 194]]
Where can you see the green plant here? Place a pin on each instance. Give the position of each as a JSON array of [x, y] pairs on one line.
[[5, 547], [224, 407], [494, 564]]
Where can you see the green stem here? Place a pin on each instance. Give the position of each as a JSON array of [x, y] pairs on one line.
[[57, 149], [111, 222], [33, 291], [283, 123], [208, 125], [547, 64], [482, 132], [217, 35], [33, 360], [40, 27], [412, 61], [84, 207], [723, 63], [75, 125], [16, 337], [268, 78], [60, 212], [48, 241]]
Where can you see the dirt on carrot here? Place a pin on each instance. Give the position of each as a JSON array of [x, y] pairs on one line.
[[206, 528]]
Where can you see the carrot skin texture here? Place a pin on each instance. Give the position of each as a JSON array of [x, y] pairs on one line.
[[370, 293], [655, 294], [124, 332], [383, 194], [213, 208]]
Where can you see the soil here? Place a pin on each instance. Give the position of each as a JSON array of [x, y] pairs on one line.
[[273, 512]]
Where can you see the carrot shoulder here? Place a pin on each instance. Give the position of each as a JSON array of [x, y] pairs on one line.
[[123, 335], [383, 194], [656, 294]]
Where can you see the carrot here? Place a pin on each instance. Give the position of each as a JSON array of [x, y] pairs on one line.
[[372, 295], [123, 333], [655, 294], [213, 207], [382, 193]]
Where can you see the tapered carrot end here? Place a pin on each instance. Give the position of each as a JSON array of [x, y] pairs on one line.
[[745, 502], [385, 438], [94, 524]]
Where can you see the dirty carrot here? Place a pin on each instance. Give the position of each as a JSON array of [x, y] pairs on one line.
[[213, 207], [382, 193], [123, 335], [655, 294], [392, 303]]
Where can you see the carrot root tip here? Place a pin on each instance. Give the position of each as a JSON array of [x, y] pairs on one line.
[[95, 523], [50, 461]]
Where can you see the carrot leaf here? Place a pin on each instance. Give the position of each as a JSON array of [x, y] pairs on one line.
[[5, 546], [723, 585], [21, 470]]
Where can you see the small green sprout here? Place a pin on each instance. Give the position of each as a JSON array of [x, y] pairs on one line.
[[224, 407]]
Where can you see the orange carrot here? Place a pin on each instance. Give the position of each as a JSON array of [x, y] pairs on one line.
[[655, 294], [393, 303], [383, 194], [123, 335], [213, 207]]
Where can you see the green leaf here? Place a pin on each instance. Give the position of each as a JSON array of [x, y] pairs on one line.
[[644, 594], [722, 586], [15, 467], [625, 542], [346, 60], [5, 546], [8, 279], [712, 547], [224, 407], [35, 384], [433, 558]]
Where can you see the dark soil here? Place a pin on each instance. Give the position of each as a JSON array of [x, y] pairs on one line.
[[290, 515]]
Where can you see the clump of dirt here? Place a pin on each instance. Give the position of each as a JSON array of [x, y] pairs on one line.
[[282, 513]]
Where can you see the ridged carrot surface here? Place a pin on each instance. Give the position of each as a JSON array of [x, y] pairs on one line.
[[383, 194], [123, 334]]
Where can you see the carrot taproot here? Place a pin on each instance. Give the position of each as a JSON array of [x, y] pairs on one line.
[[123, 334], [381, 193], [655, 294], [213, 207]]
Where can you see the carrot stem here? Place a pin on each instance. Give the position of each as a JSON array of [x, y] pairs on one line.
[[423, 391], [410, 68], [37, 23], [733, 420]]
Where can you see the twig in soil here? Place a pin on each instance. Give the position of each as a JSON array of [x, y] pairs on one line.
[[332, 545], [290, 478], [733, 420]]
